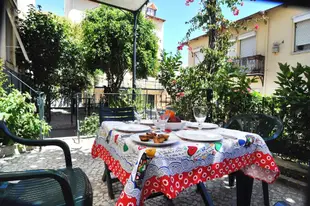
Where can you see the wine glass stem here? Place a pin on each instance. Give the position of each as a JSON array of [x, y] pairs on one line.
[[199, 126], [162, 127]]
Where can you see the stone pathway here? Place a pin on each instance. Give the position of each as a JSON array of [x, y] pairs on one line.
[[52, 158]]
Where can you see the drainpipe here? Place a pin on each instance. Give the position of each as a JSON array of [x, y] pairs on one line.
[[266, 56]]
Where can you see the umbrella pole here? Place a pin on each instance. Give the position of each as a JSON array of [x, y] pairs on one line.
[[134, 58]]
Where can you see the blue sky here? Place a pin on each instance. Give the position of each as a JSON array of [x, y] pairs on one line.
[[176, 13]]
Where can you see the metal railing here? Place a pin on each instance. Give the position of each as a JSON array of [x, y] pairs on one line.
[[38, 97], [254, 65]]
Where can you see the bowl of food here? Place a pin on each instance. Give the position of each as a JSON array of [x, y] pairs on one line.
[[174, 122]]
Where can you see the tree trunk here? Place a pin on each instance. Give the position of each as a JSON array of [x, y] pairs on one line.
[[212, 32]]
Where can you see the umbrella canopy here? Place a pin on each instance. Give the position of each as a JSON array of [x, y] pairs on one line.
[[129, 5]]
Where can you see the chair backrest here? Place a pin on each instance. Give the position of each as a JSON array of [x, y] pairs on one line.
[[268, 127], [116, 114]]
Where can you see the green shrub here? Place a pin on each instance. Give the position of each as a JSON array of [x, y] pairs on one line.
[[89, 126], [229, 83], [19, 114], [294, 102]]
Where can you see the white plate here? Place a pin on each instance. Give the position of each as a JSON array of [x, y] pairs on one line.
[[204, 125], [147, 122], [201, 136], [172, 139], [132, 128]]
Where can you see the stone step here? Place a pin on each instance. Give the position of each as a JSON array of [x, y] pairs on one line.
[[292, 170]]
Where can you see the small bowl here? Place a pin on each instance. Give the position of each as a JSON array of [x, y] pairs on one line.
[[173, 125]]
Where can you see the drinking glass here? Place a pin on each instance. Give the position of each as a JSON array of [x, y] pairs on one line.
[[200, 114], [162, 118]]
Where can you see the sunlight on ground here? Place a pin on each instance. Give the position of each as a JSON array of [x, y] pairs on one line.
[[290, 200], [62, 111]]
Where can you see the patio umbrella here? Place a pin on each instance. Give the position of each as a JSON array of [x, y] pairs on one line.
[[133, 6]]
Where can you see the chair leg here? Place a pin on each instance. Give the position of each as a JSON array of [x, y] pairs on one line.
[[109, 182], [231, 179], [197, 188], [244, 189], [104, 176], [204, 194], [169, 201], [265, 193]]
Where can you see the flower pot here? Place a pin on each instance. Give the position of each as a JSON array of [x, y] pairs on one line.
[[7, 150], [30, 148], [21, 148]]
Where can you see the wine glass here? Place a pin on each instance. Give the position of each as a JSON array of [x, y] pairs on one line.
[[154, 116], [139, 113], [200, 114], [162, 118]]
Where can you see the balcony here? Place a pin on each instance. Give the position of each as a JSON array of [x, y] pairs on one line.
[[253, 65]]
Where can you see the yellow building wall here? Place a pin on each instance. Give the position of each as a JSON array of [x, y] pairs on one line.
[[279, 28], [196, 44]]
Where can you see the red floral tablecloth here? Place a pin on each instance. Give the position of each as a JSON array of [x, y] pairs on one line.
[[171, 169]]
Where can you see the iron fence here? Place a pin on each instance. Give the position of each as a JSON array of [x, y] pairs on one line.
[[146, 102]]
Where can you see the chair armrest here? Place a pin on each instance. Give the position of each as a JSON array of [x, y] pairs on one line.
[[278, 132], [60, 177], [30, 142]]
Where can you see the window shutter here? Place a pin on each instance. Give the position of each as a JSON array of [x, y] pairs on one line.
[[199, 57], [248, 47], [303, 33]]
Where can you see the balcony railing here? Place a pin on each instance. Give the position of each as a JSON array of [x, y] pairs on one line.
[[253, 65]]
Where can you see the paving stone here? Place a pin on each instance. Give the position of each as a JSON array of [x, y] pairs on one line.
[[52, 158]]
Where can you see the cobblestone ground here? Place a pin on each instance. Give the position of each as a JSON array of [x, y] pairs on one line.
[[52, 157]]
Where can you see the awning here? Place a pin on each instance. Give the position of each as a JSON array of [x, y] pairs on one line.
[[17, 36], [129, 5]]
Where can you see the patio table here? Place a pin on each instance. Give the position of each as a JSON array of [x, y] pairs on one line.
[[169, 170]]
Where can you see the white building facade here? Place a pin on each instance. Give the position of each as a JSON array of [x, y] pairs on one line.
[[9, 37]]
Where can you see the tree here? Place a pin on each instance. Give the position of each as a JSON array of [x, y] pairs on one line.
[[73, 72], [108, 42], [42, 34], [54, 45], [217, 73]]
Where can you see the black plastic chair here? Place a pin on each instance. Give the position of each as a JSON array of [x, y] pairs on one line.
[[281, 203], [114, 114], [68, 186], [268, 127]]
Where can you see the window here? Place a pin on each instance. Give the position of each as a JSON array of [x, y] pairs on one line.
[[151, 100], [232, 51], [11, 34], [198, 57], [248, 47], [302, 37], [10, 48], [151, 12]]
